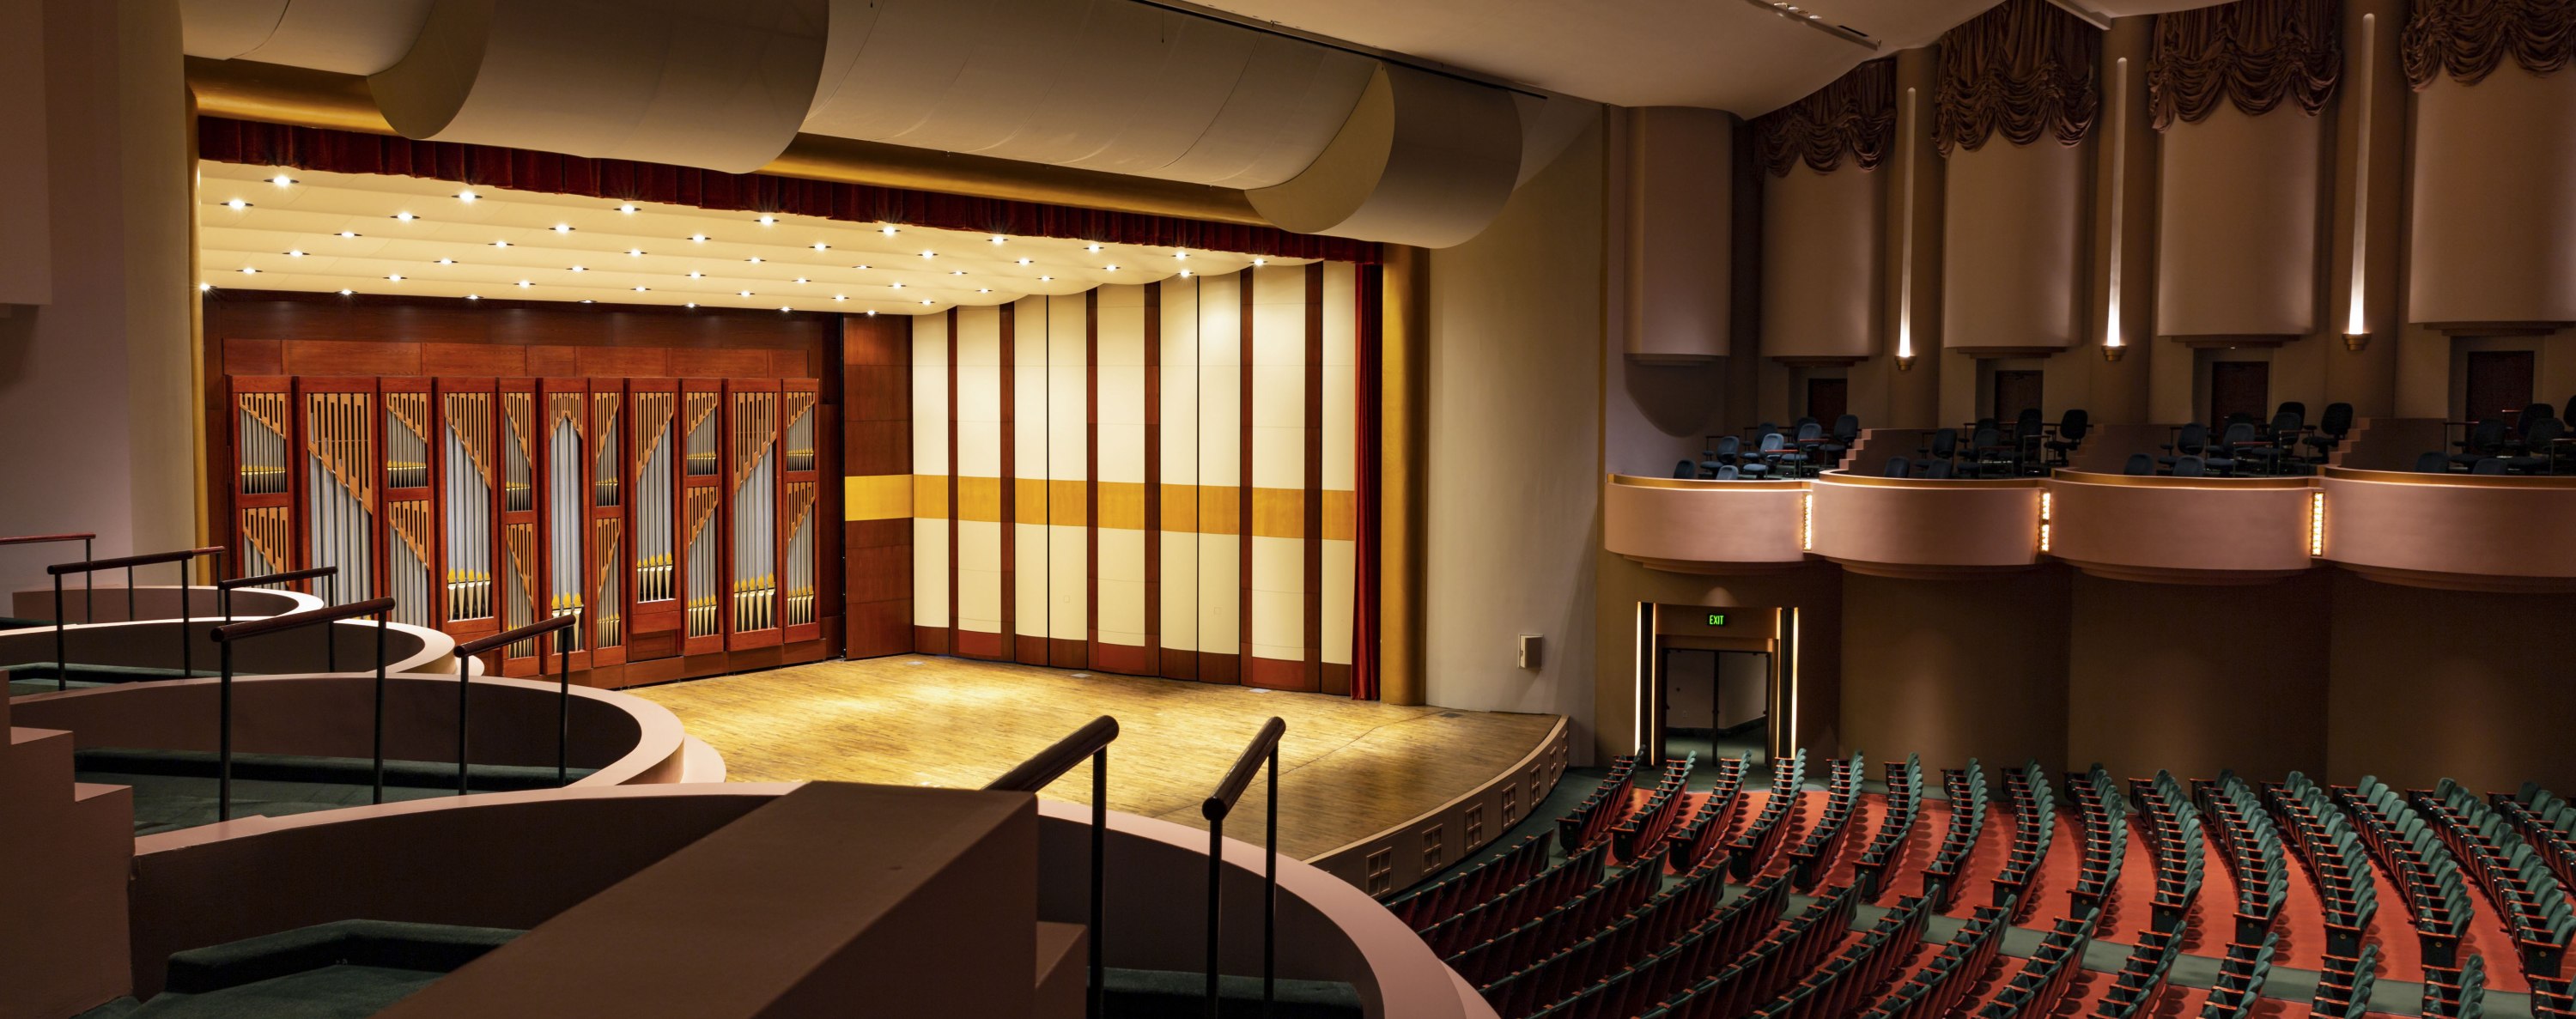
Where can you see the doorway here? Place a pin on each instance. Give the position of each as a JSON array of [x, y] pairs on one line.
[[2498, 381], [2016, 391], [1716, 703], [1828, 399], [2238, 387]]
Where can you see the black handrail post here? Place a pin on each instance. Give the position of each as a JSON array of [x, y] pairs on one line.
[[330, 638], [563, 706], [224, 741], [381, 630], [129, 593], [1263, 749], [1098, 1002], [464, 684], [465, 653], [89, 587], [187, 619], [62, 660], [1215, 904], [1270, 894]]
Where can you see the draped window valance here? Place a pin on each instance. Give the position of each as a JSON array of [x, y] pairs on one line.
[[2469, 39], [1854, 114], [2025, 69], [310, 148], [2254, 53]]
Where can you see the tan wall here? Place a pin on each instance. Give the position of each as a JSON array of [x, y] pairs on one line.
[[2494, 235], [1516, 347], [2015, 246], [1820, 262], [2198, 678], [1953, 669], [2427, 684]]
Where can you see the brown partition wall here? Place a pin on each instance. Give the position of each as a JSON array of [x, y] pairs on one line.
[[492, 463]]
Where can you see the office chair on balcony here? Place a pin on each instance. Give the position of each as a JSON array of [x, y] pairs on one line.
[[1726, 472], [2485, 439], [2193, 438], [2433, 461], [2272, 447], [1943, 446], [2230, 453], [2139, 464], [2330, 433], [1757, 464], [2070, 434], [2190, 467], [1898, 467], [1988, 455], [1839, 441], [1940, 470], [2531, 418], [1685, 469], [2540, 448], [2488, 465]]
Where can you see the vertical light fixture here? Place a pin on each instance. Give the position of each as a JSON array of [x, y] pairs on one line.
[[2317, 520], [2047, 515], [1806, 521], [1645, 682], [2113, 344], [1905, 243], [2356, 326]]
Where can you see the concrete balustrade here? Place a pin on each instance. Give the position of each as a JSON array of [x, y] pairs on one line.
[[1911, 527], [2456, 531], [1687, 526]]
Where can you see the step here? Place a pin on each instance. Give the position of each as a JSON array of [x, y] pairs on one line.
[[1064, 971], [38, 764]]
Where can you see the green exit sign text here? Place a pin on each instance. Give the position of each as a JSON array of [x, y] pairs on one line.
[[1717, 619]]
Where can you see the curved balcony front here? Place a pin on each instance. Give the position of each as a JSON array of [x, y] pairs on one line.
[[2170, 530], [1713, 527], [1918, 527], [2454, 531]]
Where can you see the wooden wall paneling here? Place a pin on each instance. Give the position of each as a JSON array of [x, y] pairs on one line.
[[654, 461], [473, 359], [875, 376], [1150, 352], [1176, 537], [1247, 458], [702, 527], [1310, 587]]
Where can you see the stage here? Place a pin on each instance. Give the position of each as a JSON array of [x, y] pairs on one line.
[[1350, 771]]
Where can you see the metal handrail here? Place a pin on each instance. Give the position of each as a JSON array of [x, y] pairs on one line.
[[89, 586], [227, 635], [187, 560], [1264, 749], [1040, 771], [330, 638], [563, 676]]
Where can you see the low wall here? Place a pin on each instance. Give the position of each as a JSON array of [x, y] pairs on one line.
[[122, 604], [348, 645]]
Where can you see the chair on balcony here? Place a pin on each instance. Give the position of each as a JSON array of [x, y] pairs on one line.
[[1726, 472], [1943, 446], [1899, 467], [1839, 441], [2296, 409], [2531, 417], [1989, 455], [2193, 438], [2139, 463], [2190, 467], [2330, 433], [2488, 465], [1727, 450], [2070, 434], [1802, 452], [2273, 447], [2433, 461], [2485, 440], [1939, 470], [2540, 448], [2229, 454], [1771, 454], [1685, 469]]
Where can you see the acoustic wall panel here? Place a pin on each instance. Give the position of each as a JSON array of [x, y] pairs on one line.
[[1177, 463], [1026, 480], [1339, 411], [1067, 570], [1118, 497], [1223, 483], [931, 432], [1277, 589], [977, 513]]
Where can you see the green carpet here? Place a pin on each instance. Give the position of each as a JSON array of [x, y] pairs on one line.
[[1161, 994], [345, 970]]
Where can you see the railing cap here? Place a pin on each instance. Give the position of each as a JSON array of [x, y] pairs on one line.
[[147, 559], [298, 620], [277, 578], [504, 639], [1237, 779], [1049, 764]]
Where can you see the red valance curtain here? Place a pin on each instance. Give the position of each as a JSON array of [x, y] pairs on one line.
[[1368, 390], [322, 149]]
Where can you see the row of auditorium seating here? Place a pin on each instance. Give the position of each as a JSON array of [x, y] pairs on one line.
[[1578, 873], [1824, 839], [2337, 864], [2529, 901], [2029, 446], [1598, 953], [1704, 832], [1903, 805], [2344, 983], [2252, 856], [1433, 903], [1847, 981], [2173, 829], [1591, 819], [1967, 808], [1634, 893], [2039, 986], [2416, 862], [2034, 806], [1937, 989], [2105, 816], [1642, 833], [2141, 975], [1751, 849], [2455, 992], [2241, 974], [1661, 989]]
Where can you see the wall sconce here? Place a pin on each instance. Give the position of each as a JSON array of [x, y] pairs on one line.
[[2113, 344], [1905, 362], [2355, 341], [2112, 352]]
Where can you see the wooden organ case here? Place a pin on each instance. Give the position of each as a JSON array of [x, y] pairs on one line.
[[679, 517]]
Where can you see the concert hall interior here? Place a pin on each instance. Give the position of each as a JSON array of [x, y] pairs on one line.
[[1431, 509]]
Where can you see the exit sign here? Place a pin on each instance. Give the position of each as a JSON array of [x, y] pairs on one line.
[[1717, 619]]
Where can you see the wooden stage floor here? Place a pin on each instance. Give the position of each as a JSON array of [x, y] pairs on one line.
[[1348, 769]]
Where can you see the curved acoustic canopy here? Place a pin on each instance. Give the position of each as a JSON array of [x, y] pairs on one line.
[[345, 36], [1424, 160]]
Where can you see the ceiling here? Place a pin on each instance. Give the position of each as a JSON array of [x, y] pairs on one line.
[[1727, 54], [858, 269]]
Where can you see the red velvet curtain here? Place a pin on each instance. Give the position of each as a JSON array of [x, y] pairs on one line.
[[310, 148], [1367, 390]]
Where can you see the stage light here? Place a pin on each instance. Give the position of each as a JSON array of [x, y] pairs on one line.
[[405, 216], [282, 180], [294, 253], [237, 204], [563, 228], [1109, 268], [744, 293], [898, 284], [202, 287], [887, 230], [840, 297], [473, 297], [639, 290], [1024, 261], [467, 196], [627, 208]]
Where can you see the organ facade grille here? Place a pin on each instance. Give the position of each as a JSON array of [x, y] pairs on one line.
[[675, 517]]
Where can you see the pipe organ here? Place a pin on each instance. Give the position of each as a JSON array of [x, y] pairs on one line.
[[674, 516]]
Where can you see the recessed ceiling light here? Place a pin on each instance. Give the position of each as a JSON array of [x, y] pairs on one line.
[[237, 204], [801, 279], [887, 230], [925, 302], [785, 308], [997, 238], [396, 277], [1180, 254], [249, 269], [523, 283], [447, 261], [1261, 261], [473, 297], [840, 297], [745, 293], [872, 313], [405, 216], [639, 290], [957, 272], [344, 291], [635, 252], [281, 180], [700, 238], [820, 246], [294, 253], [1024, 261], [467, 196], [1109, 268], [587, 301], [929, 254], [1185, 274], [627, 208], [1046, 279], [756, 258], [579, 269], [897, 285], [693, 274], [563, 228], [691, 304], [1094, 247], [500, 244], [348, 233], [205, 286], [983, 290], [768, 220], [863, 267]]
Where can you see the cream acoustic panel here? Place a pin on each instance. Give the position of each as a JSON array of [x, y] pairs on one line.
[[1821, 258], [933, 515], [977, 513], [2494, 188], [2014, 234], [1424, 160], [2237, 233], [292, 235], [343, 36], [1178, 463], [723, 86]]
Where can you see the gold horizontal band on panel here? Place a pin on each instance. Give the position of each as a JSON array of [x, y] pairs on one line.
[[886, 497], [1212, 509]]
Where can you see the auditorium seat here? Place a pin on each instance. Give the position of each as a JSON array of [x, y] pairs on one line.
[[2337, 865], [1903, 805], [1816, 850], [1898, 467], [1751, 849], [2106, 838], [2241, 974], [2141, 975], [2034, 807], [1935, 990], [1697, 837], [1966, 788], [2174, 842], [2344, 984]]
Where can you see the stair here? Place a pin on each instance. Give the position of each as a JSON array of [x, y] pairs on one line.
[[71, 846]]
